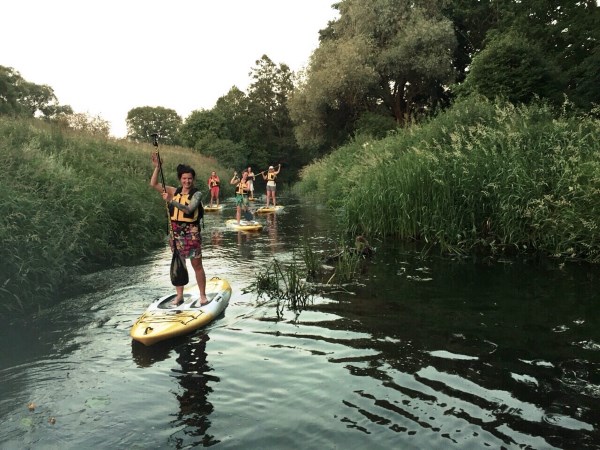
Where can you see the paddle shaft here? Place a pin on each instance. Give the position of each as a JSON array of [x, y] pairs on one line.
[[162, 179]]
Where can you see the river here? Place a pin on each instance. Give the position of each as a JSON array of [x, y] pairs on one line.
[[419, 353]]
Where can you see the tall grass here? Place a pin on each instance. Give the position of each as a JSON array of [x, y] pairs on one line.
[[481, 177], [70, 203]]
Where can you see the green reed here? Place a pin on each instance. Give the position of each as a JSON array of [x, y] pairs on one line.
[[312, 261], [71, 203], [346, 267], [482, 177], [285, 284]]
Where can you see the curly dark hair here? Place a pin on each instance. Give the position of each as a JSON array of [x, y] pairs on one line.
[[182, 168]]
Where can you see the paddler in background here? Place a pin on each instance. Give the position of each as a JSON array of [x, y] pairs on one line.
[[213, 184], [184, 203], [251, 178], [270, 177], [241, 189]]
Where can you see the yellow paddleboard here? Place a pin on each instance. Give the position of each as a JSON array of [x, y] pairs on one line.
[[245, 225], [162, 321], [270, 209], [213, 208]]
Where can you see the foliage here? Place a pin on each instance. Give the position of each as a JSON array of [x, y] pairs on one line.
[[393, 53], [481, 177], [285, 284], [85, 123], [143, 121], [512, 67], [564, 32], [249, 129], [21, 98], [72, 202]]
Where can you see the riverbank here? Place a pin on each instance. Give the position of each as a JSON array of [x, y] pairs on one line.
[[482, 177], [71, 203]]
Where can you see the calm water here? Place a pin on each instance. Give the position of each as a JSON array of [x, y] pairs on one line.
[[422, 353]]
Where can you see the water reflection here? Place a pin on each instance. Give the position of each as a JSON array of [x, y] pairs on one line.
[[196, 382]]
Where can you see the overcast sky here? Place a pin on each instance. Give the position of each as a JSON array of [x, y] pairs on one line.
[[105, 57]]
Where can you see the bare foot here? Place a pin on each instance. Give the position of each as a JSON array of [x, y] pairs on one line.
[[178, 301], [203, 300]]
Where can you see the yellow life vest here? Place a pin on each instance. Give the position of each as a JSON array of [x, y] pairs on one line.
[[185, 199], [242, 188], [214, 181], [271, 176]]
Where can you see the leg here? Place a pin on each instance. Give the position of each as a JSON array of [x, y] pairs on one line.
[[273, 195], [238, 213], [200, 278], [179, 298]]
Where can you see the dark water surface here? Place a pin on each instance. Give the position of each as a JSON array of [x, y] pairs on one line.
[[421, 354]]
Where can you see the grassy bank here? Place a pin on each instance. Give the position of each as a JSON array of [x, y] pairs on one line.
[[70, 203], [480, 178]]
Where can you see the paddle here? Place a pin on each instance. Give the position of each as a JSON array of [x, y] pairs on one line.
[[178, 272]]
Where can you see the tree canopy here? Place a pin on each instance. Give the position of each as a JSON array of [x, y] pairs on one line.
[[22, 98], [386, 57], [143, 121]]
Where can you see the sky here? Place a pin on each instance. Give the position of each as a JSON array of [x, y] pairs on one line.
[[106, 57]]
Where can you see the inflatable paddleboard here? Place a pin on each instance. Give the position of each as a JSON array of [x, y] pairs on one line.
[[162, 321], [245, 225], [213, 208], [270, 209]]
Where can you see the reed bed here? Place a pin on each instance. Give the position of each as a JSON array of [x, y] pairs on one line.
[[483, 177], [71, 203], [284, 283]]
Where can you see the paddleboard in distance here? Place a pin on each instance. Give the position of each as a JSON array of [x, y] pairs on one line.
[[269, 209], [213, 208], [162, 321], [244, 225]]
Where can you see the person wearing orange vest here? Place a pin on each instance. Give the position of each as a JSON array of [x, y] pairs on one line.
[[184, 210], [213, 184]]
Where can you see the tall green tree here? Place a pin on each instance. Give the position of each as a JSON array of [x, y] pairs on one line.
[[515, 68], [391, 57], [19, 97], [272, 137], [143, 121], [566, 33]]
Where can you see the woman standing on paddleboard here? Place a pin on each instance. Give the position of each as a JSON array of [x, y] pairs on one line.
[[184, 210], [213, 184], [251, 178], [270, 177], [241, 189]]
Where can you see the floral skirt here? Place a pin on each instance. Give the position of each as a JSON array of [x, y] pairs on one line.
[[187, 239]]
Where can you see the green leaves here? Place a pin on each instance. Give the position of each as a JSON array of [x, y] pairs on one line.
[[145, 120]]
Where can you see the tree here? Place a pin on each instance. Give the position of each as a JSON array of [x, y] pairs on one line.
[[391, 57], [84, 122], [272, 133], [512, 67], [566, 34], [21, 98], [143, 121]]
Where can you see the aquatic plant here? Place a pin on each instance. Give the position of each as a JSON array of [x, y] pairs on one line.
[[285, 284]]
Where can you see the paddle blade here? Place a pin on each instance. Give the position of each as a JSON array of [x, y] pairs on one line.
[[248, 216], [179, 274]]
